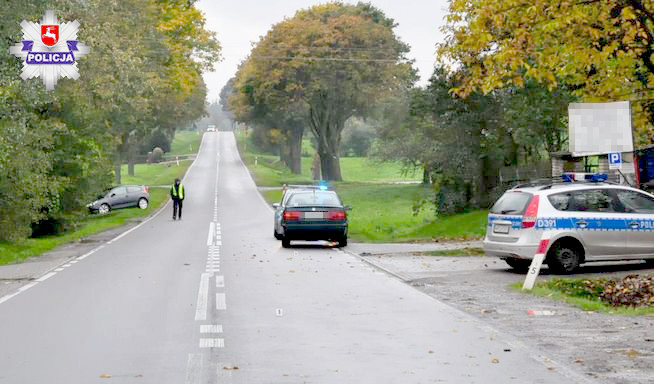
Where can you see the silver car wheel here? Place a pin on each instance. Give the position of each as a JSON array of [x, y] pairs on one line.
[[143, 203], [104, 208]]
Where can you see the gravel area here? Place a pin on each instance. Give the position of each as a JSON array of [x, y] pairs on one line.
[[604, 348]]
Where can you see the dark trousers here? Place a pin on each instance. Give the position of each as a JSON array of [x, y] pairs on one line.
[[177, 204]]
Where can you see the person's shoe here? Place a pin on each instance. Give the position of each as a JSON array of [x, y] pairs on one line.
[[173, 218]]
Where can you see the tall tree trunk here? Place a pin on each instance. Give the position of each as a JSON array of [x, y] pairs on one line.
[[118, 161], [327, 122], [331, 166], [426, 176], [117, 166], [294, 146], [131, 160]]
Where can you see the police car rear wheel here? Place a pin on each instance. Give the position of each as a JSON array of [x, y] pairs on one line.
[[565, 258]]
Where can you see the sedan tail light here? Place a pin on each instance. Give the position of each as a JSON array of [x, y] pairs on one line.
[[291, 215], [336, 215]]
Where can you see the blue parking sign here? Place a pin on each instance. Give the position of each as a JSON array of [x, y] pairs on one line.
[[615, 160]]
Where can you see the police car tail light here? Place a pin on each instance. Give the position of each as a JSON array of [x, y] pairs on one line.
[[529, 218], [291, 216], [336, 215]]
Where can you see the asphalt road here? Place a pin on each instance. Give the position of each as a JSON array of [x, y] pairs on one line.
[[215, 299]]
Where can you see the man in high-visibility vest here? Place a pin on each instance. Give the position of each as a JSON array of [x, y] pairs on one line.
[[177, 194]]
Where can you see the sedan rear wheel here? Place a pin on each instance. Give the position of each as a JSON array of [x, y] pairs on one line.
[[342, 242], [104, 208], [564, 258], [286, 243]]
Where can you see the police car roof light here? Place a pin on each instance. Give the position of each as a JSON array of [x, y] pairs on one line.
[[568, 177], [599, 177], [588, 177]]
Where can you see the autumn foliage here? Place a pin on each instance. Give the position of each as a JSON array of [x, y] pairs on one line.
[[600, 49]]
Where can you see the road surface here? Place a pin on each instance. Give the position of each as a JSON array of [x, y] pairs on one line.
[[215, 299]]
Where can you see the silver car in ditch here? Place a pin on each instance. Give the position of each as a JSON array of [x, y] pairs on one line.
[[589, 221]]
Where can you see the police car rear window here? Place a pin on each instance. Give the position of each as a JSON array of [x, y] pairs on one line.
[[317, 198], [511, 203]]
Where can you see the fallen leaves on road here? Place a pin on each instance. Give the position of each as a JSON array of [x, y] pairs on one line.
[[495, 360], [231, 368]]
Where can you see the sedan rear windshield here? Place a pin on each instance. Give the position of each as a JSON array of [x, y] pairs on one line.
[[317, 198], [511, 203]]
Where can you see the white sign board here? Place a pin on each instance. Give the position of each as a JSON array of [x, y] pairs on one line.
[[615, 160], [600, 128]]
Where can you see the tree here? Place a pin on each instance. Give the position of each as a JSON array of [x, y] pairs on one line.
[[602, 50], [55, 147], [461, 143], [335, 61]]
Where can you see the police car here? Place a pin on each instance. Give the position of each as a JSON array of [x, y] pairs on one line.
[[589, 221]]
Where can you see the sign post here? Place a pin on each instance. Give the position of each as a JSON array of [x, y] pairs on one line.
[[615, 160]]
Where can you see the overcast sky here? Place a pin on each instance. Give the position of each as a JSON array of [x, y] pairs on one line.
[[239, 23]]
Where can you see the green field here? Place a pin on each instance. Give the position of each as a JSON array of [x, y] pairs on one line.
[[185, 142], [158, 176], [388, 204]]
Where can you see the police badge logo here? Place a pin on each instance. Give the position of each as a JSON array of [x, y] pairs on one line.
[[49, 50]]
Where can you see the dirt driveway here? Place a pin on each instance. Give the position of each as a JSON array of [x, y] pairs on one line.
[[604, 348]]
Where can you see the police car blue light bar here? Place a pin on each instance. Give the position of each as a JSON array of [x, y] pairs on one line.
[[581, 176]]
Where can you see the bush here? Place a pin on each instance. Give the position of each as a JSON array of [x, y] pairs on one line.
[[453, 196], [156, 155], [356, 138]]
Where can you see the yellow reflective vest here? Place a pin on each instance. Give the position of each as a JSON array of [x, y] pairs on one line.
[[177, 192]]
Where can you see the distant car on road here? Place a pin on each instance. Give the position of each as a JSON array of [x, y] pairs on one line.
[[589, 221], [125, 196], [211, 128], [310, 213]]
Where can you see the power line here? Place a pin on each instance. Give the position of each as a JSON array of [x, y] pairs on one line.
[[309, 58]]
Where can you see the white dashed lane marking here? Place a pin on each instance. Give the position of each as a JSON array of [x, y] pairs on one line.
[[221, 301], [211, 328], [212, 229], [203, 298], [220, 281], [212, 343]]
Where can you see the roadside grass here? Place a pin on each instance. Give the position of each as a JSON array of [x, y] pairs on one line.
[[154, 175], [268, 171], [185, 142], [145, 174], [388, 204], [573, 292], [391, 213]]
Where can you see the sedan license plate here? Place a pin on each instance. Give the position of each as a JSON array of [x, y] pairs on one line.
[[501, 228], [314, 215]]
